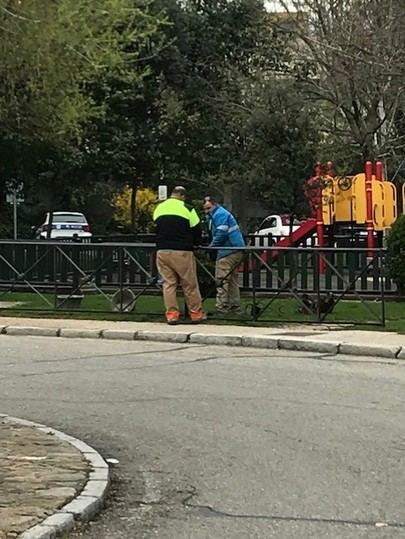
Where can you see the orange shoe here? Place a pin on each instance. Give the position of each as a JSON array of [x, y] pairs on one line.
[[172, 317], [197, 316]]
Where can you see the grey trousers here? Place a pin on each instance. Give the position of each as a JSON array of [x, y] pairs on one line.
[[228, 294]]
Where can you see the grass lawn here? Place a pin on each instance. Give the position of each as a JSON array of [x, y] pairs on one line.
[[151, 308]]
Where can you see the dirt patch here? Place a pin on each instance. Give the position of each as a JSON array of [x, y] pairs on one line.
[[10, 304]]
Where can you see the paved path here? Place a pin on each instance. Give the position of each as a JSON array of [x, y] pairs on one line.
[[49, 481], [219, 442]]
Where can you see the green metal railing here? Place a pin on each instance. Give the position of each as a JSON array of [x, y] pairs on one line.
[[52, 270]]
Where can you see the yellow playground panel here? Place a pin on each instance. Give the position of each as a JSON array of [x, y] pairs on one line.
[[344, 200], [328, 200]]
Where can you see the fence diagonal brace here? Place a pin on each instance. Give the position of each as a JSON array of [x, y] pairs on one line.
[[83, 273], [152, 280], [349, 285], [26, 272], [285, 285], [21, 276]]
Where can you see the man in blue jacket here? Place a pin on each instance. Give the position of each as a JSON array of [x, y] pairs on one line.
[[225, 232]]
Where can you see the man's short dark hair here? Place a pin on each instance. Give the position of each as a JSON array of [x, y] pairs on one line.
[[210, 198], [179, 190]]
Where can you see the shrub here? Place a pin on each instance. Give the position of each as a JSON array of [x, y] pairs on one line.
[[396, 253], [146, 200]]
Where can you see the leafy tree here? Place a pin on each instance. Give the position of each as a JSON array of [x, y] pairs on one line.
[[64, 49], [221, 93], [277, 142], [172, 128], [62, 46], [200, 96]]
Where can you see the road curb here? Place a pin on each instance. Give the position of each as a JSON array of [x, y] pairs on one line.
[[213, 338], [79, 333], [273, 342], [390, 352], [27, 330], [162, 336], [86, 504], [118, 334], [325, 347]]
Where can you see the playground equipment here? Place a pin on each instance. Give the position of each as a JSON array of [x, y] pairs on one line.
[[299, 235], [366, 202], [285, 230], [283, 235], [347, 211]]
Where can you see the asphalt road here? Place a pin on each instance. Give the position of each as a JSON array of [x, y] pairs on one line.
[[218, 442]]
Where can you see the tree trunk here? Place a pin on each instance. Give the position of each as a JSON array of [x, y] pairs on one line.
[[134, 187]]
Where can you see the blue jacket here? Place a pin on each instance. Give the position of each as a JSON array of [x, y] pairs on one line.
[[225, 231]]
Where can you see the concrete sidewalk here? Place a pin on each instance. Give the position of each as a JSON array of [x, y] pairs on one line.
[[327, 339], [48, 480]]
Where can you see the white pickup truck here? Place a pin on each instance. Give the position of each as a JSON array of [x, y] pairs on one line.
[[280, 226], [277, 225]]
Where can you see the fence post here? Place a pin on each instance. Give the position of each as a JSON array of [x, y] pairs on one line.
[[376, 271], [381, 266], [246, 273], [352, 264], [328, 270], [99, 265], [304, 271], [55, 280], [254, 308], [317, 273], [121, 274], [76, 261], [292, 268], [280, 266], [256, 271]]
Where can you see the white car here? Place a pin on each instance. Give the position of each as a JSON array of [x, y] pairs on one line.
[[65, 225], [278, 227]]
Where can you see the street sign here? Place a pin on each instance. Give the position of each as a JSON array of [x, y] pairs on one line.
[[11, 196], [14, 196], [162, 192]]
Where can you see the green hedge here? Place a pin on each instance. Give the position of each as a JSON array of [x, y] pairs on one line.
[[396, 253]]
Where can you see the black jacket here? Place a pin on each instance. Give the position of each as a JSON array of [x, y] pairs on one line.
[[178, 226]]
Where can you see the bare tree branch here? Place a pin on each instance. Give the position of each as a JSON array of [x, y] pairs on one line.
[[354, 51]]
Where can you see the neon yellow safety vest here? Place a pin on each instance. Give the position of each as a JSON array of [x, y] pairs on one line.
[[177, 225]]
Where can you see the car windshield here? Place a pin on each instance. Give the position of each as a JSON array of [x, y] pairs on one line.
[[286, 220], [68, 218]]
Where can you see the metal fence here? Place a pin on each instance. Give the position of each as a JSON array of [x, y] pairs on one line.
[[62, 274]]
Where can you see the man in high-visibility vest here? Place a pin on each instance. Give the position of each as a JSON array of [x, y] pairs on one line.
[[178, 231]]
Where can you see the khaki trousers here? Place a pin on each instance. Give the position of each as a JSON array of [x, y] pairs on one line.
[[226, 269], [179, 267]]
